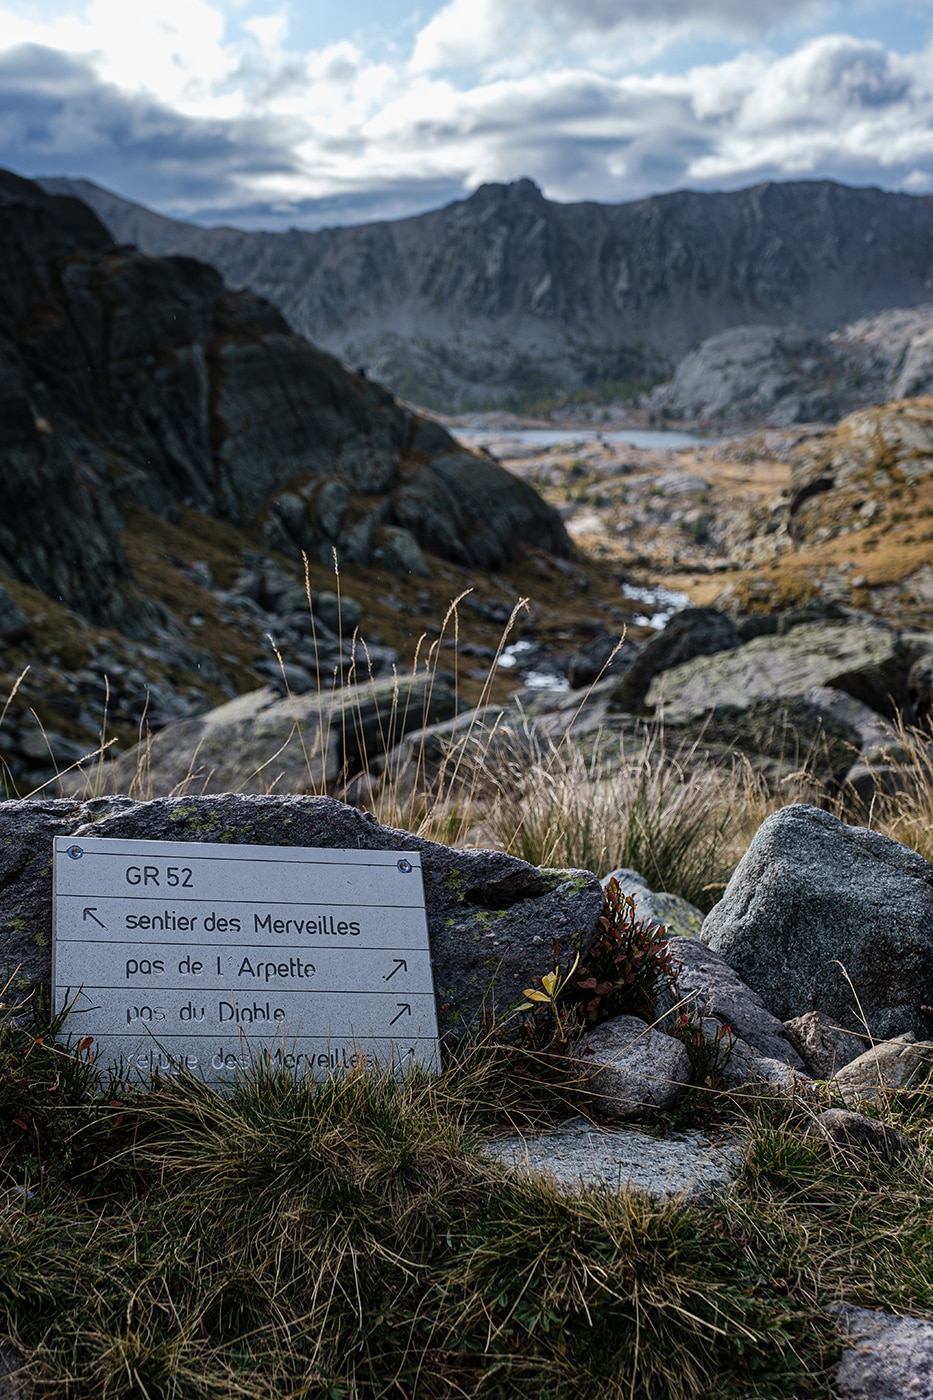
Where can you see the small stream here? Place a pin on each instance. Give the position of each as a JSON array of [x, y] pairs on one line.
[[661, 604], [664, 601]]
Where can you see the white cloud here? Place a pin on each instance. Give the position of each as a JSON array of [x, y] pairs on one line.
[[211, 116], [521, 34], [173, 51], [268, 30]]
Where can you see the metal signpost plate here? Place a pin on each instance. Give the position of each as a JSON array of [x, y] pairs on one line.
[[205, 956]]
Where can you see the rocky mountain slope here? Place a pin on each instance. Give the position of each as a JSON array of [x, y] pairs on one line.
[[507, 297], [169, 450], [782, 375]]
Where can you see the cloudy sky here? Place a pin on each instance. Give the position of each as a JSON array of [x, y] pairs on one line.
[[270, 113]]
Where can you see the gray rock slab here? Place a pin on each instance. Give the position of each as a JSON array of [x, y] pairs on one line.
[[885, 1357], [864, 659], [261, 743], [820, 916], [491, 918], [632, 1067], [716, 989], [578, 1153]]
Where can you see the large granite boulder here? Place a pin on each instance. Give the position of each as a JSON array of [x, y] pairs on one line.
[[261, 743], [865, 659], [492, 919], [758, 373], [820, 916]]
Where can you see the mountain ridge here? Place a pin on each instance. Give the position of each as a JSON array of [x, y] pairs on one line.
[[506, 296]]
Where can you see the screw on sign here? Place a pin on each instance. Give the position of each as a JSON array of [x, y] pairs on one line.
[[209, 957]]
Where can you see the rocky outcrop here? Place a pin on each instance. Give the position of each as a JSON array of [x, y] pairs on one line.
[[867, 660], [820, 916], [128, 381], [493, 920], [506, 296], [301, 743], [782, 375], [689, 633], [760, 374]]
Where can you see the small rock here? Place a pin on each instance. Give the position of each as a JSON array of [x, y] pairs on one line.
[[823, 1046], [398, 551], [886, 1357], [715, 989], [746, 1065], [894, 1064], [633, 1068], [341, 614], [677, 915], [14, 625], [601, 655], [849, 1129]]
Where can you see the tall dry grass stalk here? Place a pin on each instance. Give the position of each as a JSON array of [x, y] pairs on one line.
[[902, 807], [678, 820]]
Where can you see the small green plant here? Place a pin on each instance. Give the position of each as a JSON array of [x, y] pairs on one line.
[[708, 1056], [553, 986]]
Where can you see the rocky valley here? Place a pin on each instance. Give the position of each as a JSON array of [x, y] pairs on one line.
[[239, 581], [176, 458], [210, 527]]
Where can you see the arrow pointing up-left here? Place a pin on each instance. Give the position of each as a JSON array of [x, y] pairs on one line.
[[92, 914]]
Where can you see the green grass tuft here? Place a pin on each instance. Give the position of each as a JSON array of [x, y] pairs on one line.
[[347, 1238]]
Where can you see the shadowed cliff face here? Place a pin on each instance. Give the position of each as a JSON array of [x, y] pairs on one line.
[[131, 380], [507, 294]]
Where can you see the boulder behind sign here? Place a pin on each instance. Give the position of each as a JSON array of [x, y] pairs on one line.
[[492, 919]]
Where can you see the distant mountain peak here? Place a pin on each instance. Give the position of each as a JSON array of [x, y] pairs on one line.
[[508, 298]]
